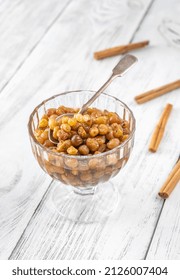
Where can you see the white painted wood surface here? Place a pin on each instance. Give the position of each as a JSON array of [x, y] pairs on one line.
[[23, 24], [63, 60]]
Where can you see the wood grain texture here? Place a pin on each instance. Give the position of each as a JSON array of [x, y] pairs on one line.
[[120, 237], [62, 61], [166, 241], [22, 184], [65, 53], [22, 26]]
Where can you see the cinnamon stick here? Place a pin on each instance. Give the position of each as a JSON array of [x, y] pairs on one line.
[[160, 128], [119, 50], [151, 94], [171, 181]]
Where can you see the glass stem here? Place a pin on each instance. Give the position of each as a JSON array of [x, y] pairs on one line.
[[85, 191]]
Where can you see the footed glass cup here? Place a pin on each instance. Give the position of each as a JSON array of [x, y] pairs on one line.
[[83, 191]]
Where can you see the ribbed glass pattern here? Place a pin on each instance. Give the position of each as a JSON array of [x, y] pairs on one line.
[[74, 170]]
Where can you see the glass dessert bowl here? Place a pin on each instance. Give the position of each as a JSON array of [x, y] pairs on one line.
[[84, 191]]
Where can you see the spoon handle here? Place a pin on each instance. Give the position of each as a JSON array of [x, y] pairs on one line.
[[95, 96], [121, 68]]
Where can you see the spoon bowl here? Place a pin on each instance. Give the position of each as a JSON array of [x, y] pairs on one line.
[[50, 132]]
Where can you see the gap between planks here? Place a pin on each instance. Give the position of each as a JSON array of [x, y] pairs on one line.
[[152, 236], [141, 21], [156, 225], [35, 46], [160, 212], [56, 18], [33, 215], [163, 204]]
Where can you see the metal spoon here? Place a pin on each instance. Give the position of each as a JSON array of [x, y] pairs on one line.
[[119, 70]]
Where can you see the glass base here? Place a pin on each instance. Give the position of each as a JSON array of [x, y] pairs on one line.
[[85, 205]]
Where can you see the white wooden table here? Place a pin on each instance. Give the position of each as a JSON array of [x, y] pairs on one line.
[[47, 47]]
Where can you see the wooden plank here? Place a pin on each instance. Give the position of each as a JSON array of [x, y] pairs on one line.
[[22, 26], [22, 184], [63, 60], [127, 234], [64, 52]]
